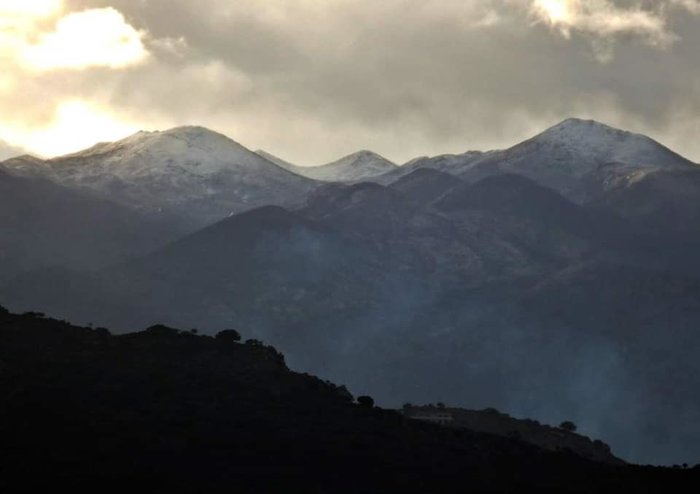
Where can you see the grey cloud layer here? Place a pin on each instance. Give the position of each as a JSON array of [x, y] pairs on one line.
[[313, 80]]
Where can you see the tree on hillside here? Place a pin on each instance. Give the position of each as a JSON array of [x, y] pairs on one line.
[[229, 335], [568, 426], [365, 401], [162, 330]]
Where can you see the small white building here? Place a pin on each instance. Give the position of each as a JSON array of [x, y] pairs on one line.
[[429, 414]]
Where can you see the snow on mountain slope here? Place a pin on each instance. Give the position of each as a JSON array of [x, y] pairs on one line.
[[353, 168], [278, 161], [191, 172], [194, 150], [580, 159], [26, 166], [8, 151], [454, 164], [357, 167]]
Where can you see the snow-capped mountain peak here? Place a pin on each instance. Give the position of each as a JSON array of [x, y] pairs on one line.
[[363, 155], [356, 167], [195, 149], [579, 158], [191, 172], [596, 141]]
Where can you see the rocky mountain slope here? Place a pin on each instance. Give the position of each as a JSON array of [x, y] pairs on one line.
[[425, 185], [43, 224]]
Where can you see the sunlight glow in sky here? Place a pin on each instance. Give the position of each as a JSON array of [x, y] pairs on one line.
[[556, 10], [76, 125], [29, 7]]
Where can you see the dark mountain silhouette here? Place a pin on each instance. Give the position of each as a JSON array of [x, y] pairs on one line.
[[491, 421], [513, 195], [426, 184], [664, 203], [44, 224], [662, 206], [169, 410]]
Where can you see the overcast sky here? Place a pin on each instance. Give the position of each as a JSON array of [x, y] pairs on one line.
[[311, 80]]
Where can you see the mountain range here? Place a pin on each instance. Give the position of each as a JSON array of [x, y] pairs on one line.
[[556, 279], [189, 174]]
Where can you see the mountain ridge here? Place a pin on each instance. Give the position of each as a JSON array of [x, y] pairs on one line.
[[189, 172], [355, 167], [581, 159]]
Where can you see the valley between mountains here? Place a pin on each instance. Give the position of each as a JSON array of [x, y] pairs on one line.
[[558, 279]]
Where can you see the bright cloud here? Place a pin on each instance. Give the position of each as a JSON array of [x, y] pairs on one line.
[[92, 38], [604, 18], [22, 8], [17, 21]]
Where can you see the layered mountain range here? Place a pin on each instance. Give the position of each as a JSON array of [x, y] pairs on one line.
[[558, 279]]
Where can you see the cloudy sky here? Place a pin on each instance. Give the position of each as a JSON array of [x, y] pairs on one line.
[[310, 80]]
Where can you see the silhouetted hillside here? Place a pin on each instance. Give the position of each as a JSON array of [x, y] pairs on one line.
[[171, 411], [531, 431]]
